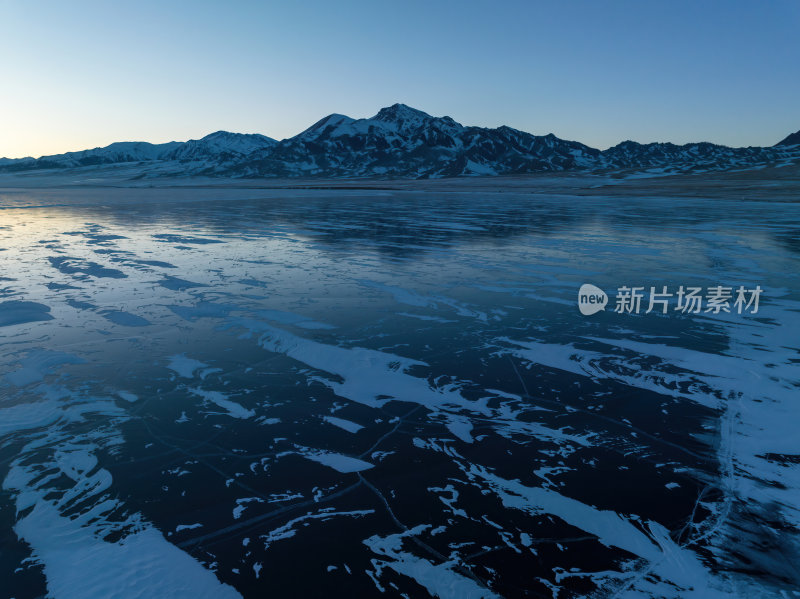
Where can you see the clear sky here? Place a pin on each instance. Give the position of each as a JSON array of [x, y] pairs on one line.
[[81, 74]]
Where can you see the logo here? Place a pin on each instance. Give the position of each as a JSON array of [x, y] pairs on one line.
[[591, 299], [687, 300]]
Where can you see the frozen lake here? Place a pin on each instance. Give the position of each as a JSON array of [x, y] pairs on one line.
[[307, 393]]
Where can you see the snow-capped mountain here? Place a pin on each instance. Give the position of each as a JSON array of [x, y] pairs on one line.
[[124, 151], [695, 157], [400, 141], [222, 146], [216, 149]]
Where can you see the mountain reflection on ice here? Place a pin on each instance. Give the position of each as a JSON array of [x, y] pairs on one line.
[[349, 393]]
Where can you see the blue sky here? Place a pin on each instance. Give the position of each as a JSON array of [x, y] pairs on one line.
[[84, 74]]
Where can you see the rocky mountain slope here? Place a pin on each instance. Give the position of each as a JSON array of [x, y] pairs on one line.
[[790, 140]]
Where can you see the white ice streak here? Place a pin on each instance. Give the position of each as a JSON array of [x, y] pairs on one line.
[[221, 400], [753, 384], [339, 462], [373, 378], [78, 561], [348, 425], [440, 580], [66, 510], [37, 364], [412, 298], [288, 530], [185, 367]]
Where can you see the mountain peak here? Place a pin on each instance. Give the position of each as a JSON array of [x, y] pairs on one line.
[[332, 120], [397, 112], [221, 134], [790, 140], [229, 136]]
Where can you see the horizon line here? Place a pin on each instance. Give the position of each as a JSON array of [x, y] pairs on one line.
[[158, 143]]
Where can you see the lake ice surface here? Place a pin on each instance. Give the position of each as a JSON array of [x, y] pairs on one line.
[[354, 393]]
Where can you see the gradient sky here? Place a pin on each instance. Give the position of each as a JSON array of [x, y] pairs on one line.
[[82, 74]]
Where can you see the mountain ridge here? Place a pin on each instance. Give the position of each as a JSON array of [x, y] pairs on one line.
[[793, 139], [403, 142]]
